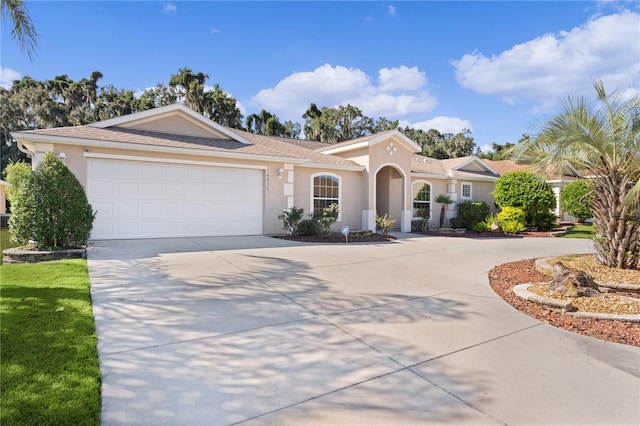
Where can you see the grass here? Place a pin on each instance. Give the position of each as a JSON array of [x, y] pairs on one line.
[[50, 373], [580, 231], [5, 242]]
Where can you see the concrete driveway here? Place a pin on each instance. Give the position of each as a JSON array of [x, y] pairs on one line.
[[254, 330]]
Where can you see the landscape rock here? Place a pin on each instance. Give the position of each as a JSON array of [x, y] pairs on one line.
[[572, 282]]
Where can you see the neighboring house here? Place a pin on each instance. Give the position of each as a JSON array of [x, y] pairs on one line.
[[170, 172], [557, 182]]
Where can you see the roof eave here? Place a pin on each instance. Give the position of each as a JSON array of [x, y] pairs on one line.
[[30, 137]]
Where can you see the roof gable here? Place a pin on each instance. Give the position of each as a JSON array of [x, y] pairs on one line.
[[468, 164], [370, 140], [175, 119]]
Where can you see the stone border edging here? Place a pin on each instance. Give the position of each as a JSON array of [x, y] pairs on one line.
[[543, 267], [522, 291], [26, 255]]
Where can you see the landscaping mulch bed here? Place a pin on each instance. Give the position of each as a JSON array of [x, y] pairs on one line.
[[503, 278], [473, 234], [337, 238]]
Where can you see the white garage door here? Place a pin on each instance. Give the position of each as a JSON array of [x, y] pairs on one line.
[[136, 199]]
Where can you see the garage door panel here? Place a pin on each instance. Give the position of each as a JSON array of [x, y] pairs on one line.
[[150, 200]]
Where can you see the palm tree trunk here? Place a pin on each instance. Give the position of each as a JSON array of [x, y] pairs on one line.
[[617, 242]]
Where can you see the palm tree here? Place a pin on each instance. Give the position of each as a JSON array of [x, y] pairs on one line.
[[445, 200], [604, 142], [23, 31]]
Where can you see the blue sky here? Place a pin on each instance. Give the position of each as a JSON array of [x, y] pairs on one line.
[[494, 67]]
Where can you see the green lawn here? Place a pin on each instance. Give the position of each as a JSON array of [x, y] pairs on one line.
[[580, 231], [50, 372], [5, 242]]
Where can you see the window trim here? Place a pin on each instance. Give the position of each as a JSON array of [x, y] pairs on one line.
[[413, 195], [462, 184], [311, 187]]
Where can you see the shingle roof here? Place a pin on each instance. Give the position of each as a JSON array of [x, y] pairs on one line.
[[261, 145]]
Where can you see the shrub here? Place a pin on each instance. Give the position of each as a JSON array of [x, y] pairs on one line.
[[290, 219], [385, 223], [575, 200], [51, 208], [17, 174], [322, 221], [512, 220], [527, 191], [470, 213], [545, 221], [485, 225], [420, 225], [308, 227]]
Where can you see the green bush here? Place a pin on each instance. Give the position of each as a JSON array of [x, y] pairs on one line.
[[545, 221], [385, 223], [470, 213], [51, 208], [290, 219], [575, 200], [512, 220], [308, 227], [485, 225], [420, 225], [17, 174], [326, 217], [529, 192]]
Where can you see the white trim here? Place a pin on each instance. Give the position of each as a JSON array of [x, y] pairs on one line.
[[95, 143], [312, 178], [462, 184], [430, 198], [143, 116], [429, 175], [332, 166], [171, 161], [472, 159], [345, 148], [473, 178], [374, 139]]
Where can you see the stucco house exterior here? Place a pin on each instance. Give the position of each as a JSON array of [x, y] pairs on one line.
[[170, 172]]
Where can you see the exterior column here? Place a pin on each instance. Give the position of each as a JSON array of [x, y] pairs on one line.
[[405, 220], [452, 192], [288, 185]]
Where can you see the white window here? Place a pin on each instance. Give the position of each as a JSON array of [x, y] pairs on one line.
[[466, 191], [421, 200], [325, 191]]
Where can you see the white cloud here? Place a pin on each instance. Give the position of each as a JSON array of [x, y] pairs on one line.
[[8, 76], [554, 65], [400, 92], [391, 10], [169, 8], [443, 124], [401, 79]]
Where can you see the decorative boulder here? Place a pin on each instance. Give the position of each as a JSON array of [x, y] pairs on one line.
[[495, 226], [572, 282]]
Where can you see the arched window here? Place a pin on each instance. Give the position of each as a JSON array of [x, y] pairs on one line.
[[421, 200], [325, 190]]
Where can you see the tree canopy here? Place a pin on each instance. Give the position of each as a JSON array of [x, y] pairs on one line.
[[603, 141], [32, 104]]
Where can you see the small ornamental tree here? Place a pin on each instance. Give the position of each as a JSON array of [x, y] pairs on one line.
[[17, 174], [51, 208], [444, 200], [527, 191], [575, 199]]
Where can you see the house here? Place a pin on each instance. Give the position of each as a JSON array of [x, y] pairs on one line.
[[170, 172]]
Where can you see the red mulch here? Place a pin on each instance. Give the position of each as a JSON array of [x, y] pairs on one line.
[[503, 278], [473, 234], [337, 238]]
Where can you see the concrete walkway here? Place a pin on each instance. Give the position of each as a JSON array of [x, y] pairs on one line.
[[254, 330]]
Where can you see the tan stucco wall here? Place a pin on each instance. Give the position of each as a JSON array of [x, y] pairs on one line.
[[3, 199], [352, 196], [481, 191], [176, 125], [438, 186]]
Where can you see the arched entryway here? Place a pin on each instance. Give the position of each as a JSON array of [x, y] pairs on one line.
[[390, 190]]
